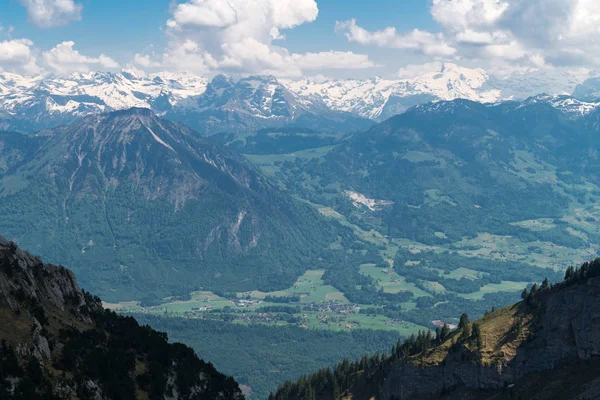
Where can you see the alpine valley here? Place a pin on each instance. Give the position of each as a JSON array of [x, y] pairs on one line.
[[317, 220]]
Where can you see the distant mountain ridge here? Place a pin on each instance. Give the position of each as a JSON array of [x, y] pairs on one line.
[[226, 104], [222, 104], [378, 99]]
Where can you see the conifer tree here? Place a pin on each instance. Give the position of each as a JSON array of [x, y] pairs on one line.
[[534, 289], [476, 335], [464, 320], [445, 332], [569, 274]]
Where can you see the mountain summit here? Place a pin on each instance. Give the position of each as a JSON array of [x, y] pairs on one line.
[[137, 204]]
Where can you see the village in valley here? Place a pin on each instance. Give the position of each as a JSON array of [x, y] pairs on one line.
[[308, 304]]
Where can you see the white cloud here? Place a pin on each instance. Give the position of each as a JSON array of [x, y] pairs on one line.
[[63, 59], [52, 13], [245, 14], [508, 51], [145, 61], [463, 15], [186, 56], [333, 60], [474, 37], [514, 33], [276, 34], [420, 41], [526, 32], [17, 55], [203, 13], [585, 19], [235, 36], [252, 55], [208, 36]]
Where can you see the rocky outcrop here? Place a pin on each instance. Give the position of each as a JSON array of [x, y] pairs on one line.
[[568, 332], [56, 341], [24, 275]]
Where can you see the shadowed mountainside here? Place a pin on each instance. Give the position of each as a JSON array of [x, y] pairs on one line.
[[57, 342]]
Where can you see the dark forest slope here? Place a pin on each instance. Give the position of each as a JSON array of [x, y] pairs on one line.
[[57, 342]]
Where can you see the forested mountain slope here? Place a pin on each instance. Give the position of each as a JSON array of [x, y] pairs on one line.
[[461, 198], [138, 205], [57, 342], [442, 163]]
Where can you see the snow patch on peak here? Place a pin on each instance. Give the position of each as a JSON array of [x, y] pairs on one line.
[[567, 104]]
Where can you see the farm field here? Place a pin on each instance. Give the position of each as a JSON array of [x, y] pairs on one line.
[[505, 286], [390, 281], [309, 288]]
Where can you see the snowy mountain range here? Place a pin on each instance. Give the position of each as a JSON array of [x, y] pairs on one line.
[[379, 99], [226, 104]]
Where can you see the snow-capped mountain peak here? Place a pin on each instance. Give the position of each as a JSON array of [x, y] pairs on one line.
[[379, 98], [224, 102]]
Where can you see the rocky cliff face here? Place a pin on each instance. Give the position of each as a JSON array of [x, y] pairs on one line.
[[57, 342], [26, 275], [568, 332]]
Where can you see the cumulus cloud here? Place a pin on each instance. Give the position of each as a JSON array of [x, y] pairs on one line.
[[251, 16], [64, 59], [463, 15], [532, 32], [508, 51], [52, 13], [203, 13], [519, 33], [235, 36], [473, 37], [17, 55], [145, 61], [239, 36], [420, 41]]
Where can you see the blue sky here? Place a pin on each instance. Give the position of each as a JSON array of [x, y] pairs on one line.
[[297, 37], [105, 23]]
